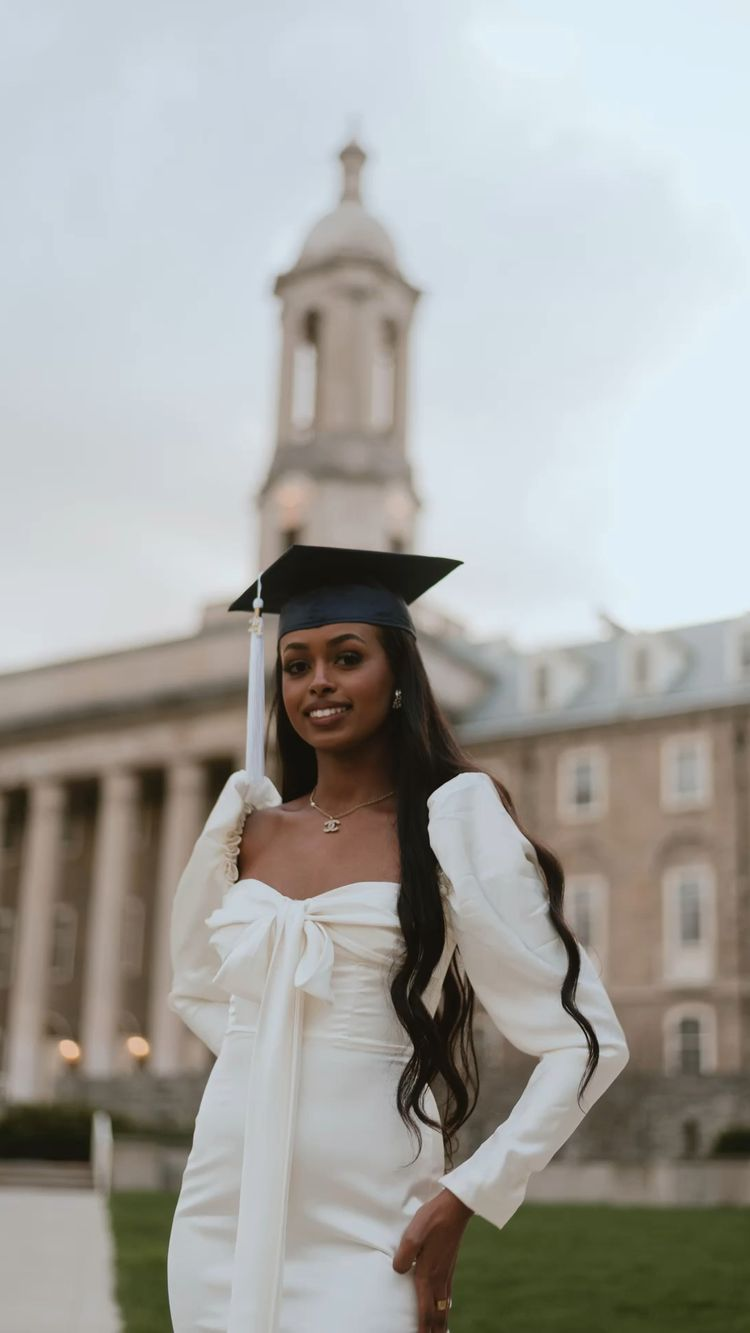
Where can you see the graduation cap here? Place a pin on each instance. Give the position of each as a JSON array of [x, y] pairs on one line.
[[310, 586]]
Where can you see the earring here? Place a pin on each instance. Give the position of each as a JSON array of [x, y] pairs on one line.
[[396, 700]]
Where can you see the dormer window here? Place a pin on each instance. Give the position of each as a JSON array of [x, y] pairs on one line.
[[650, 663], [541, 684], [552, 678], [641, 665]]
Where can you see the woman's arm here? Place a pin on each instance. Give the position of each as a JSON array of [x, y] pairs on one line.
[[516, 962], [202, 1004]]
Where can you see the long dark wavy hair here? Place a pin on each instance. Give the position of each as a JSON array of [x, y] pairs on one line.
[[427, 756]]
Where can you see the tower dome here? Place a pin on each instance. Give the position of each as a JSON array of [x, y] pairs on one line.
[[349, 231]]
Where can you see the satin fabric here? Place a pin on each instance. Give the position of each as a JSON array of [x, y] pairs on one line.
[[300, 1181], [299, 1185]]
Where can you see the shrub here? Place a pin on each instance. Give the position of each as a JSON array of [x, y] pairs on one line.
[[45, 1131], [733, 1142], [60, 1131]]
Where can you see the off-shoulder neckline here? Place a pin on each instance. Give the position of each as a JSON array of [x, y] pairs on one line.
[[353, 884]]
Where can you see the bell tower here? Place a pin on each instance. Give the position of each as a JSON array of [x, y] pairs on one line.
[[340, 474]]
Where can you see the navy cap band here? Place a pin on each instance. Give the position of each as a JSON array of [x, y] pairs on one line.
[[328, 604]]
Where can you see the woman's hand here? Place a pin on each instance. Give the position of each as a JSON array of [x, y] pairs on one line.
[[433, 1237]]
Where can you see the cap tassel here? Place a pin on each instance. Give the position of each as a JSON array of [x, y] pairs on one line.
[[256, 696]]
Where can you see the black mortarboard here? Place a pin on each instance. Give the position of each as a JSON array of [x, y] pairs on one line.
[[319, 585]]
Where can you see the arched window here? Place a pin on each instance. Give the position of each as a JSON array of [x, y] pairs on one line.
[[689, 1045], [587, 909], [690, 1041], [383, 386], [305, 373], [689, 923]]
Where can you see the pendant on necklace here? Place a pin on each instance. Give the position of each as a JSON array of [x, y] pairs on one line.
[[332, 826]]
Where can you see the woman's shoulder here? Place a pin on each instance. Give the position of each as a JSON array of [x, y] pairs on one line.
[[460, 789]]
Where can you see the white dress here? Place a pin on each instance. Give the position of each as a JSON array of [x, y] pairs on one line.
[[300, 1184]]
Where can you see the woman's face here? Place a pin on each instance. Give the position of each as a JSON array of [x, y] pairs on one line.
[[331, 665]]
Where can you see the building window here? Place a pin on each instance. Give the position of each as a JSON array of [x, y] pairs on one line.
[[689, 1045], [641, 667], [689, 923], [133, 926], [686, 779], [586, 910], [7, 927], [383, 385], [690, 1039], [541, 685], [582, 783], [691, 927], [63, 956], [305, 373]]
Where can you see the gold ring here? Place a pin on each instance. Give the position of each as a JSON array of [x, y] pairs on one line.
[[444, 1304]]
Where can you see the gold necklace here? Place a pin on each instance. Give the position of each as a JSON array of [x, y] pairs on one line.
[[333, 822]]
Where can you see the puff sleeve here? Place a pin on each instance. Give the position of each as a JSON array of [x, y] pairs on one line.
[[201, 1004], [499, 913]]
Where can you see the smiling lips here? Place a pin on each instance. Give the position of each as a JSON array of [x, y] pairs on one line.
[[329, 711]]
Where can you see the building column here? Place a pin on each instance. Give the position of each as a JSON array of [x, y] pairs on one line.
[[110, 880], [37, 890], [184, 816]]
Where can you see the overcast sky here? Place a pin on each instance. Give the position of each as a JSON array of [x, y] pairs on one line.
[[566, 181]]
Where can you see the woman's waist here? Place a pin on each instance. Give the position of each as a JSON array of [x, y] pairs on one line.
[[367, 1029]]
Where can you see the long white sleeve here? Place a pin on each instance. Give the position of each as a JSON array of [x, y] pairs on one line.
[[201, 1004], [516, 962]]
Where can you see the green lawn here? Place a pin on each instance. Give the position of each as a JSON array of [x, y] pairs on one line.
[[552, 1269]]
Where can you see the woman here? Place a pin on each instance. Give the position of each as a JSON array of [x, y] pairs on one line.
[[334, 978]]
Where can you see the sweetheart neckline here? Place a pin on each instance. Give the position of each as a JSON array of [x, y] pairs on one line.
[[354, 884]]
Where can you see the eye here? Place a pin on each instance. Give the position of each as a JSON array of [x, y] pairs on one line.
[[347, 652]]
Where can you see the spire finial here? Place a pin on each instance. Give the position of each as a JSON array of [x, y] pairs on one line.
[[352, 159]]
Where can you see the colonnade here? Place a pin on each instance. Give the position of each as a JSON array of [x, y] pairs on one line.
[[184, 811]]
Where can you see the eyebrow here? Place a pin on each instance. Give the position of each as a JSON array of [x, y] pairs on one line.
[[338, 638]]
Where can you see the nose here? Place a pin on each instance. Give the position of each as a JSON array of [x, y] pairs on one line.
[[320, 682]]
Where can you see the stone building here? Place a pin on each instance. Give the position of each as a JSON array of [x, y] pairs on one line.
[[628, 755]]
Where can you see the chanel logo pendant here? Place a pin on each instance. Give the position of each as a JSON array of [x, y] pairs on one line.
[[332, 826]]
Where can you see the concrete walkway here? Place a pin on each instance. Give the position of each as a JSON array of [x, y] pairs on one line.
[[56, 1263]]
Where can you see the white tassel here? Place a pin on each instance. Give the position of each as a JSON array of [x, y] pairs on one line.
[[256, 696]]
